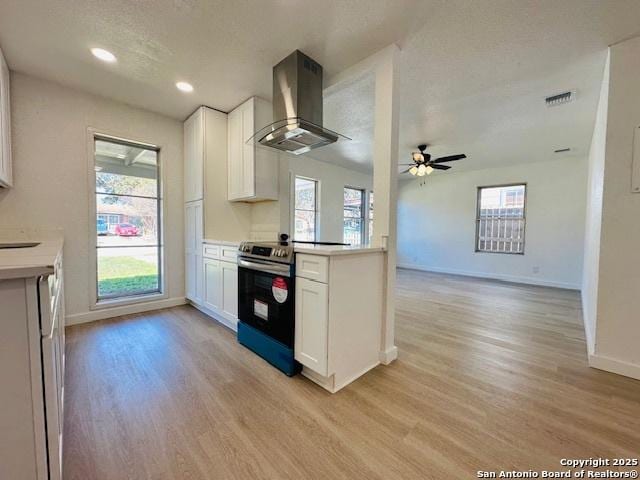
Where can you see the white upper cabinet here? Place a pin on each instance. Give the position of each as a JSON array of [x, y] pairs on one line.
[[6, 178], [194, 138], [252, 173]]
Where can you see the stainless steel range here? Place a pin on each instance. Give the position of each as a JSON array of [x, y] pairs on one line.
[[266, 302]]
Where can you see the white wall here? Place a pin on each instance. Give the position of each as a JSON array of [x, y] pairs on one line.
[[50, 155], [436, 223], [268, 218], [617, 339], [594, 214]]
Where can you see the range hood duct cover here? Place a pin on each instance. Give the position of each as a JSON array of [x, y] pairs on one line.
[[297, 107]]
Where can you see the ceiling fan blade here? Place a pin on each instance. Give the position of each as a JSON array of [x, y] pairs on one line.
[[407, 170], [450, 158], [406, 164], [440, 167]]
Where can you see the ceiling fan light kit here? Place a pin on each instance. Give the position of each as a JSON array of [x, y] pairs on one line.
[[423, 165]]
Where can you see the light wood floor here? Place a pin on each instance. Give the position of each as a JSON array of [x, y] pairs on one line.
[[490, 375]]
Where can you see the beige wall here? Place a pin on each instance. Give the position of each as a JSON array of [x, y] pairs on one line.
[[51, 178], [618, 290]]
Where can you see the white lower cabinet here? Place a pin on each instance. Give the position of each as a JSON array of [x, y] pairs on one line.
[[338, 316], [229, 273], [220, 284], [212, 284], [312, 323]]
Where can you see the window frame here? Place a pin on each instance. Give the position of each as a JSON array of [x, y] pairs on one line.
[[524, 217], [363, 212], [316, 206], [96, 303]]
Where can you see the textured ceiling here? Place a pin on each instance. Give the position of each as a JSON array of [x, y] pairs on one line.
[[473, 73], [225, 48]]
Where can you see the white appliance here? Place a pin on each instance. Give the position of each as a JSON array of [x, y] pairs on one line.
[[32, 369]]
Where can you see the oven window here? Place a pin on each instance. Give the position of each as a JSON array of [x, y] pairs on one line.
[[266, 302]]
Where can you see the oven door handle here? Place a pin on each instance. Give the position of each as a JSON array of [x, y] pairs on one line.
[[275, 269]]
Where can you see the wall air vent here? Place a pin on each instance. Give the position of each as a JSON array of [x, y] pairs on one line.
[[560, 98]]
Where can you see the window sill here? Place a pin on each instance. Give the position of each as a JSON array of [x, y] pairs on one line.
[[500, 253], [132, 300]]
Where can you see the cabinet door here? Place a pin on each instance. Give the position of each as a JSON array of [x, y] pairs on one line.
[[193, 251], [234, 156], [212, 284], [194, 156], [5, 126], [312, 322], [198, 251], [230, 290], [248, 150], [190, 276]]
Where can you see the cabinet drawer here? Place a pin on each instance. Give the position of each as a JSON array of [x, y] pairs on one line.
[[229, 254], [313, 267], [211, 251]]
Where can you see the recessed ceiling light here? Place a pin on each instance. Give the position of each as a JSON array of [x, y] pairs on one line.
[[104, 55], [184, 87]]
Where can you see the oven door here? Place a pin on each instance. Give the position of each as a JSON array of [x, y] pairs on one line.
[[266, 298]]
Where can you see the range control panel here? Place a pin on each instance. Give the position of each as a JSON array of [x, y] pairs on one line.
[[268, 251]]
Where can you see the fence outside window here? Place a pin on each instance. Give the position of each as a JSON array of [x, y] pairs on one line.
[[500, 219]]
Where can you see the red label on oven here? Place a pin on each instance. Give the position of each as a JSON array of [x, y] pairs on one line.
[[279, 289]]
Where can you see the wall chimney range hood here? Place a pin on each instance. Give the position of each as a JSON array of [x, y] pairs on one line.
[[297, 108]]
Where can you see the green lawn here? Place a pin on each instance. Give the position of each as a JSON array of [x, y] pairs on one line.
[[125, 276]]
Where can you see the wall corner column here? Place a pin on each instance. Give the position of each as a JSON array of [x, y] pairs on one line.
[[385, 160]]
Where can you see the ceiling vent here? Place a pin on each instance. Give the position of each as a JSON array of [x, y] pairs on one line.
[[560, 98]]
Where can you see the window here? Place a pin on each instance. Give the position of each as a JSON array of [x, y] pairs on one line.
[[128, 206], [500, 221], [353, 230], [305, 209], [370, 215]]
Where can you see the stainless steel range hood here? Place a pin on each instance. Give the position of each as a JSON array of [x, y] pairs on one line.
[[297, 108]]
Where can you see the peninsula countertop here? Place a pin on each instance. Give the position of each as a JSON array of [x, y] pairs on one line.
[[29, 261], [331, 250]]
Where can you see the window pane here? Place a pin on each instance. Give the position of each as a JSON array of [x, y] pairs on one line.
[[305, 197], [126, 220], [353, 231], [127, 271], [127, 223], [125, 169], [305, 225], [353, 214], [502, 197], [353, 203], [370, 216], [501, 222]]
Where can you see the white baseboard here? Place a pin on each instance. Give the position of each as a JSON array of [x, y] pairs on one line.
[[388, 356], [615, 366], [216, 316], [103, 313], [495, 276]]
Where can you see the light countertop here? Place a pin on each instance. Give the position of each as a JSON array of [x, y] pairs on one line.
[[220, 242], [30, 261], [330, 250]]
